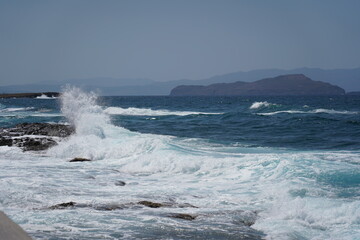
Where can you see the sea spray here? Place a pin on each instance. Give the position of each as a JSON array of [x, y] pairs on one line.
[[82, 111]]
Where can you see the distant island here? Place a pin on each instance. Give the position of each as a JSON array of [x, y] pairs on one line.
[[31, 95], [292, 85]]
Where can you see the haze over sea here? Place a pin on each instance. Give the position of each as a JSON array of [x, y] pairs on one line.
[[254, 167]]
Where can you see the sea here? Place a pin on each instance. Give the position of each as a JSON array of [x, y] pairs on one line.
[[244, 167]]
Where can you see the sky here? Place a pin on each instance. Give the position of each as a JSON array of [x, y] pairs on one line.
[[163, 40]]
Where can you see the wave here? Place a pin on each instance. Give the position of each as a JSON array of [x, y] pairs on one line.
[[257, 105], [150, 112], [289, 188], [43, 96], [17, 109], [320, 110]]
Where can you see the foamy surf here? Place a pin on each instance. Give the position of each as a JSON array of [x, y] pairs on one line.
[[43, 96], [150, 112], [16, 109], [327, 111]]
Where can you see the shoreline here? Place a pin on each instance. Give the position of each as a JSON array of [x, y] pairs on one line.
[[29, 95]]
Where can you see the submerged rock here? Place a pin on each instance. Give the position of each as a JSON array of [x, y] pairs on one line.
[[63, 205], [183, 216], [120, 183], [80, 160], [152, 204]]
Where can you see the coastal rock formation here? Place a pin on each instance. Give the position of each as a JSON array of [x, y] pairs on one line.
[[34, 136], [80, 160], [183, 216], [295, 84]]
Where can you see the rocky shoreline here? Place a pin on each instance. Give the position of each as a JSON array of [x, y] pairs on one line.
[[41, 136], [34, 136]]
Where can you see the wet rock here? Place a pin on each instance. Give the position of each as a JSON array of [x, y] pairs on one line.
[[5, 141], [63, 205], [80, 160], [120, 183], [46, 129], [152, 204], [185, 205], [34, 144], [183, 216], [111, 207], [44, 135]]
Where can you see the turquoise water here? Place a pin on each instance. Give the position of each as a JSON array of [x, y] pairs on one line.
[[290, 165]]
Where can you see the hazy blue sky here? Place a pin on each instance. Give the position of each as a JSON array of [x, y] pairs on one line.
[[169, 39]]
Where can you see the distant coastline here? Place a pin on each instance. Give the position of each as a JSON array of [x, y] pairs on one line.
[[284, 85], [30, 95]]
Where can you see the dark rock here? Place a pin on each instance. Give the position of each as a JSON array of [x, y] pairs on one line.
[[5, 141], [63, 205], [120, 183], [183, 216], [46, 129], [152, 204], [185, 205], [110, 207], [80, 160], [294, 84], [34, 144], [16, 136]]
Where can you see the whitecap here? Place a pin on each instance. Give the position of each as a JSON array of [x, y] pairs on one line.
[[149, 112], [16, 109], [43, 96], [257, 105], [316, 111]]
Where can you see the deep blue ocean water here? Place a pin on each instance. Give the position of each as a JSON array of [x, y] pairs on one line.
[[294, 162]]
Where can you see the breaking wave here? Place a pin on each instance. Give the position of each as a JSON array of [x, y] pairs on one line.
[[16, 109], [257, 105], [149, 112], [43, 96]]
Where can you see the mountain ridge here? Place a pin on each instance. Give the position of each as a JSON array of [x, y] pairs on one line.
[[348, 79], [293, 84]]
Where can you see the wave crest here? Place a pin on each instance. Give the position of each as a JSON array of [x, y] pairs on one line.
[[149, 112], [257, 105]]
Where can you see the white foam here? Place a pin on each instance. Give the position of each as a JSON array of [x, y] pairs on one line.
[[16, 109], [278, 112], [257, 105], [149, 112], [332, 111], [43, 96], [320, 110]]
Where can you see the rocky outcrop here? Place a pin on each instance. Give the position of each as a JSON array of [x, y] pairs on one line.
[[34, 136], [295, 84], [80, 160], [183, 216]]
